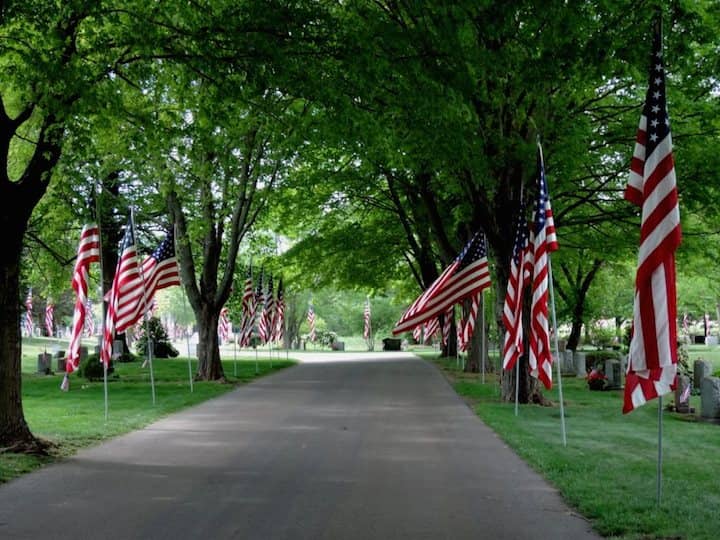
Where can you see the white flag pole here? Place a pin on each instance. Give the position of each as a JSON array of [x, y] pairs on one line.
[[660, 452], [517, 384], [187, 334], [557, 353], [148, 339], [102, 294]]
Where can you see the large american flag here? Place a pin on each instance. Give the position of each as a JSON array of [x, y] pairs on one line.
[[50, 318], [652, 359], [88, 253], [248, 311], [544, 242], [28, 321], [158, 271], [126, 281], [520, 268], [467, 275], [265, 329], [367, 330], [311, 321]]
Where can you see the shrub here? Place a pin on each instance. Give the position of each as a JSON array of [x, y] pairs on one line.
[[92, 368], [162, 348]]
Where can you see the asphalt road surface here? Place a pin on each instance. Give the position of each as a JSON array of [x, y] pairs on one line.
[[363, 449]]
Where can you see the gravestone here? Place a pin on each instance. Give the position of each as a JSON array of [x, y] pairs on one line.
[[84, 353], [60, 355], [568, 362], [338, 346], [580, 365], [710, 398], [613, 371], [44, 364], [683, 382], [701, 369]]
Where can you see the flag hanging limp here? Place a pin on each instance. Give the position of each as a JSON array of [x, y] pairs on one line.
[[652, 359]]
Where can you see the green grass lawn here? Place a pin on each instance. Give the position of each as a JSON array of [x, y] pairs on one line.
[[608, 469], [75, 419]]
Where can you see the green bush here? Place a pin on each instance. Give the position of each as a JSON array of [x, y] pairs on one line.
[[162, 348], [92, 368]]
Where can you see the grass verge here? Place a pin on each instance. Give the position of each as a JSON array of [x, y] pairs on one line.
[[76, 419], [608, 469]]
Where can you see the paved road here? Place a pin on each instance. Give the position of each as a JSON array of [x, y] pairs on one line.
[[372, 449]]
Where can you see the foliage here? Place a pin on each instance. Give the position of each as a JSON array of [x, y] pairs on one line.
[[161, 346], [92, 368]]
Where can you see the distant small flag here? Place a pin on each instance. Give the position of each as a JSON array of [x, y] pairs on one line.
[[430, 329], [224, 326], [469, 327], [311, 321], [89, 326], [279, 320], [265, 329], [367, 330], [248, 310], [685, 323], [29, 325], [447, 324], [50, 319]]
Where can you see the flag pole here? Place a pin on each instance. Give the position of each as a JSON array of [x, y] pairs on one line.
[[483, 349], [557, 352], [98, 216], [660, 451], [187, 334], [148, 339], [234, 353], [517, 384]]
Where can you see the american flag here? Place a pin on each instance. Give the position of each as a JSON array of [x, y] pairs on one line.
[[311, 321], [469, 326], [265, 329], [544, 242], [88, 253], [50, 318], [467, 275], [520, 266], [279, 320], [224, 325], [685, 323], [430, 328], [28, 321], [652, 359], [248, 310], [367, 330], [158, 271], [125, 283], [447, 324], [89, 328], [417, 333]]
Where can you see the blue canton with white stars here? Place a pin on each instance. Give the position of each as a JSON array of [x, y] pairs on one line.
[[655, 111], [166, 249], [473, 251]]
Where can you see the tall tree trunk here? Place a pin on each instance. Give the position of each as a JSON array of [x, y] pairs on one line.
[[15, 212], [209, 365]]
